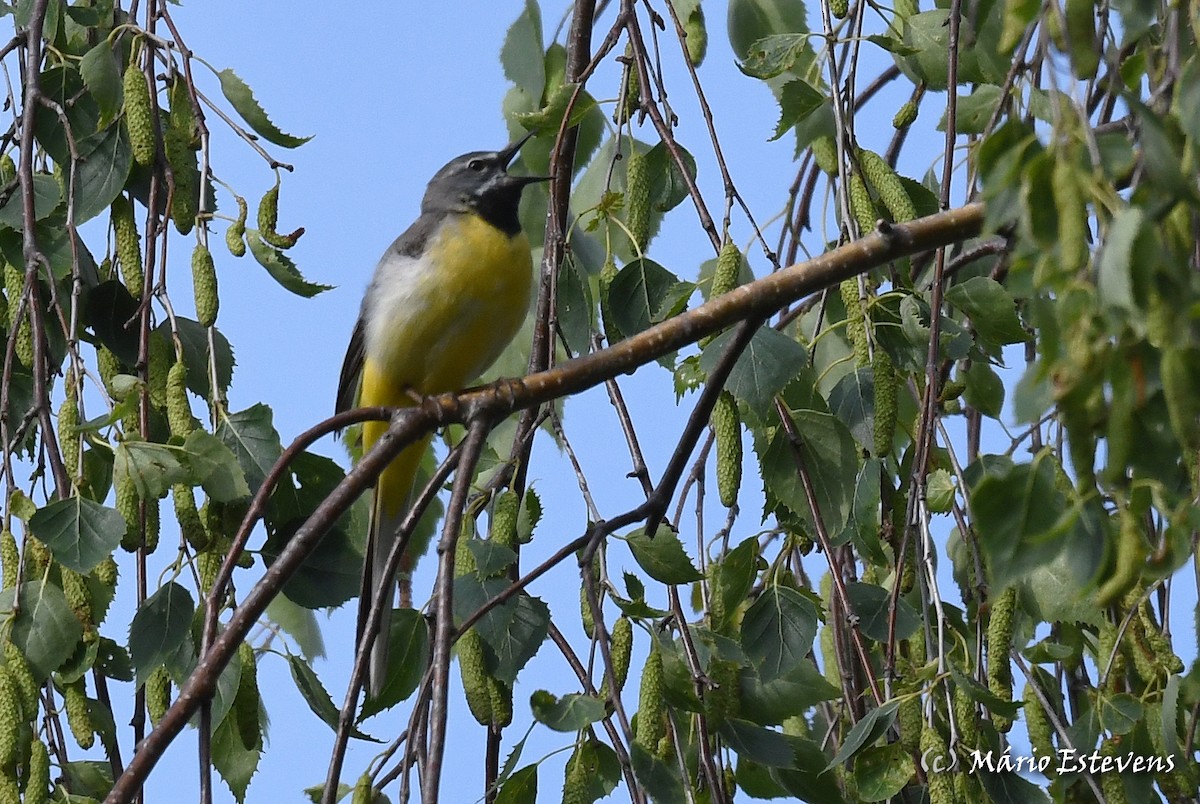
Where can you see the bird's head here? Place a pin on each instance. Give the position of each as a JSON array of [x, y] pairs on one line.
[[480, 182]]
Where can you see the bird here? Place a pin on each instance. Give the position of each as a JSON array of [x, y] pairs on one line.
[[446, 298]]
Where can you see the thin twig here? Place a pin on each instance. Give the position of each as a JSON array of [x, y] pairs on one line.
[[443, 620], [362, 656]]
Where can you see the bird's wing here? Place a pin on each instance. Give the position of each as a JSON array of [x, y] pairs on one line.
[[347, 393], [410, 244]]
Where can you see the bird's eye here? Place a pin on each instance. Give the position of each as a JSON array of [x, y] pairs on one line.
[[476, 165]]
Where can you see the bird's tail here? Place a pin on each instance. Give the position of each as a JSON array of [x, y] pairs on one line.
[[390, 505]]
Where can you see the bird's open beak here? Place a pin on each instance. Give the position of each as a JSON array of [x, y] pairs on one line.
[[508, 154]]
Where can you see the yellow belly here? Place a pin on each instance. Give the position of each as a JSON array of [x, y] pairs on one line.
[[437, 323]]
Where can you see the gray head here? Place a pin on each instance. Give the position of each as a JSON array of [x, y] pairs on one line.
[[480, 182]]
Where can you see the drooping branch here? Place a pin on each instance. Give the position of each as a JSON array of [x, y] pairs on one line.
[[443, 621]]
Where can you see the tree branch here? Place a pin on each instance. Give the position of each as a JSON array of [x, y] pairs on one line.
[[755, 300]]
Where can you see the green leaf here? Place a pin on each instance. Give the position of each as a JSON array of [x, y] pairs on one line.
[[100, 73], [331, 574], [316, 697], [1033, 395], [923, 198], [520, 788], [314, 793], [866, 731], [514, 756], [491, 559], [64, 87], [239, 94], [752, 20], [974, 111], [662, 557], [79, 532], [183, 664], [981, 694], [408, 654], [45, 629], [550, 116], [927, 37], [1018, 15], [281, 268], [251, 435], [1187, 101], [872, 605], [521, 55], [1056, 588], [569, 713], [797, 100], [46, 197], [81, 661], [852, 400], [881, 772], [20, 506], [576, 309], [985, 390], [890, 44], [832, 463], [660, 779], [807, 779], [773, 702], [300, 624], [101, 173], [1120, 713], [734, 578], [23, 14], [1170, 715], [599, 186], [992, 310], [153, 468], [774, 55], [1020, 519], [214, 466], [1046, 650], [160, 625], [113, 660], [472, 592], [668, 187], [768, 364], [939, 488], [311, 479], [761, 745], [233, 759], [602, 766], [1162, 153], [194, 339], [518, 639], [1009, 788], [1115, 272], [865, 514], [778, 631], [88, 777], [637, 293], [109, 308]]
